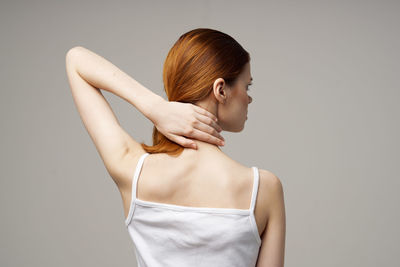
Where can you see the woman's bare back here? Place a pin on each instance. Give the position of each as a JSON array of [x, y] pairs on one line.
[[197, 178]]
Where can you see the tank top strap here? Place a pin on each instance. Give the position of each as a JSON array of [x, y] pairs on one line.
[[255, 188], [137, 173]]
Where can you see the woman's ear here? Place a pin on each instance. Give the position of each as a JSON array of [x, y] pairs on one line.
[[219, 90]]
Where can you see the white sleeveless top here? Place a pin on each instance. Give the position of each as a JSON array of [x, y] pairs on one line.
[[182, 236]]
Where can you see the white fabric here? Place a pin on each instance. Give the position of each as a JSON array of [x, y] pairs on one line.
[[181, 236]]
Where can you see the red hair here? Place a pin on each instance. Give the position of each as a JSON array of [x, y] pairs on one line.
[[194, 62]]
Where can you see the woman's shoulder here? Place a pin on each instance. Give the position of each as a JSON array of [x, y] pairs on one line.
[[270, 191], [269, 179]]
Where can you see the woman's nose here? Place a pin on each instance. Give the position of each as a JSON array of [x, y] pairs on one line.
[[250, 99]]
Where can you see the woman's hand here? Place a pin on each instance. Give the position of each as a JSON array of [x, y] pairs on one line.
[[180, 121]]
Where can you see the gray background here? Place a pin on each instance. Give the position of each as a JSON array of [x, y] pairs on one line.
[[324, 119]]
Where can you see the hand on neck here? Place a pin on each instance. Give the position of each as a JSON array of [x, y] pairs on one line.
[[204, 146]]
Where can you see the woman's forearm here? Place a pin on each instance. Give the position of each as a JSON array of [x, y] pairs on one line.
[[102, 74]]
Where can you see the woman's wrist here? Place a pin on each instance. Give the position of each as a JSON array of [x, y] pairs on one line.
[[150, 105]]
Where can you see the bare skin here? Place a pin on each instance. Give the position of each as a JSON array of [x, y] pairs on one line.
[[183, 180], [223, 183]]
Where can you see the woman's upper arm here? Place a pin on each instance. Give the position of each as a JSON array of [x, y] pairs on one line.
[[272, 249], [110, 139]]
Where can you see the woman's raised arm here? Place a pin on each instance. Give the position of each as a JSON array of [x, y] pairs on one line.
[[88, 73]]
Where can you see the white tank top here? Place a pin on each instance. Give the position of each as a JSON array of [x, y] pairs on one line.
[[182, 236]]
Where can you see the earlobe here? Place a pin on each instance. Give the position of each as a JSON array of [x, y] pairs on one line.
[[222, 94]]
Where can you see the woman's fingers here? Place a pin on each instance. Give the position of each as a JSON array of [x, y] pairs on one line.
[[204, 125], [182, 126], [203, 136], [207, 117], [185, 142], [204, 112]]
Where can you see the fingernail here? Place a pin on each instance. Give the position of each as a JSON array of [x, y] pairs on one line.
[[222, 143], [194, 146]]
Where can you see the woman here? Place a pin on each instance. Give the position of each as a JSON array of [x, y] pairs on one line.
[[190, 207]]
